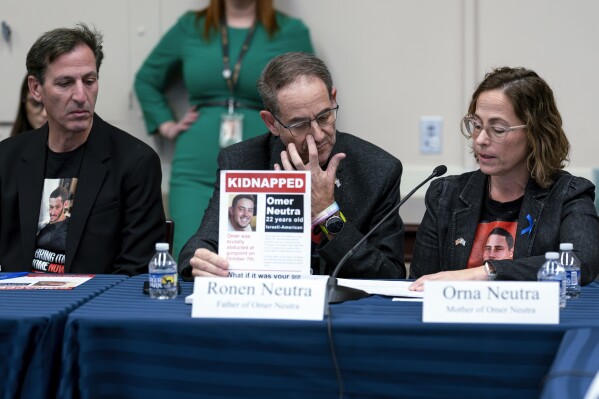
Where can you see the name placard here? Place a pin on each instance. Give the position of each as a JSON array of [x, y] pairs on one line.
[[299, 299], [513, 302]]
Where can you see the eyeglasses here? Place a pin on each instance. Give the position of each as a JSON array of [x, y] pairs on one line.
[[325, 118], [471, 127]]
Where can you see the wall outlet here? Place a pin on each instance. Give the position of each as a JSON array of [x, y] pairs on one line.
[[431, 129]]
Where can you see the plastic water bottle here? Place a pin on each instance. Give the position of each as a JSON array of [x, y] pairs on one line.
[[571, 265], [163, 274], [552, 270]]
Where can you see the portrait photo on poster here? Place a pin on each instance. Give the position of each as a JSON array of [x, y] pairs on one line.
[[242, 212]]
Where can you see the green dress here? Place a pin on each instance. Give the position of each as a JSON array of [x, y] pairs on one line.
[[184, 48]]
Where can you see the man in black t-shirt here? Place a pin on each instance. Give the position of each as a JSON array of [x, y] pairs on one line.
[[118, 216]]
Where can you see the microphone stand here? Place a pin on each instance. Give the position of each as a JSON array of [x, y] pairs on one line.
[[336, 293]]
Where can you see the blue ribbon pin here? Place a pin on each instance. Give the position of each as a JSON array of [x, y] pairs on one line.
[[530, 224]]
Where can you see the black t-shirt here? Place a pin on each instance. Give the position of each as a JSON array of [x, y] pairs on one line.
[[56, 207], [496, 232]]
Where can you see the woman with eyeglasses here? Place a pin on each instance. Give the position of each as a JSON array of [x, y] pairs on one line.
[[31, 113], [220, 52], [515, 131]]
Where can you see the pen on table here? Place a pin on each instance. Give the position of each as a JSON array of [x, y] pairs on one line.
[[13, 275]]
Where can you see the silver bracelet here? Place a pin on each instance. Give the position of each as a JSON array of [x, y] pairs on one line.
[[325, 214]]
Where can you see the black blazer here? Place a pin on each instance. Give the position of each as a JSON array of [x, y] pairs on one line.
[[368, 188], [117, 215], [563, 212]]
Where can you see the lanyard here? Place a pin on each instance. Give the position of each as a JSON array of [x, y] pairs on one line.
[[232, 78]]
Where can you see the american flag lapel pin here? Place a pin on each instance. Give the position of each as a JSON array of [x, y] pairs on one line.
[[460, 241]]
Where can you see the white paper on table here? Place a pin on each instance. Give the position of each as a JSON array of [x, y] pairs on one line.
[[45, 281], [593, 392], [382, 287]]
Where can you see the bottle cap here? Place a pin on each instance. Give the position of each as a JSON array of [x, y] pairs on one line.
[[566, 246], [162, 246], [551, 255]]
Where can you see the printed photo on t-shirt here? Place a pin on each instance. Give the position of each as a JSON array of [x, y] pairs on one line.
[[56, 206], [493, 241]]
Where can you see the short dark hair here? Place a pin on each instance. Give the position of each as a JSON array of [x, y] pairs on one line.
[[535, 105], [60, 192], [242, 196], [286, 69], [503, 232], [52, 44]]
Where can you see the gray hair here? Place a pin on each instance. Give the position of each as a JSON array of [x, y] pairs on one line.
[[286, 69], [52, 44]]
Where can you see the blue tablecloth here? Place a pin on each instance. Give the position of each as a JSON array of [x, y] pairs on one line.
[[123, 344], [31, 334], [575, 365]]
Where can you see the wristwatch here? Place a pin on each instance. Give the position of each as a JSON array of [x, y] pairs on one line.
[[490, 269], [334, 224]]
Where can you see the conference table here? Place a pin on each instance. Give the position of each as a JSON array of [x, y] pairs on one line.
[[122, 344], [32, 323], [575, 366]]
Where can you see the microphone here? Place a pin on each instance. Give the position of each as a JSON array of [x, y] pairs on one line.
[[338, 293]]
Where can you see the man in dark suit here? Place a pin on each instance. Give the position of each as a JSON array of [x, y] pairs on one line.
[[354, 183], [113, 179]]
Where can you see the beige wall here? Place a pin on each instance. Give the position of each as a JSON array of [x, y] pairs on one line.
[[393, 61]]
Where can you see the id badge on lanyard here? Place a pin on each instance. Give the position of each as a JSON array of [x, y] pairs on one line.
[[231, 122], [231, 127]]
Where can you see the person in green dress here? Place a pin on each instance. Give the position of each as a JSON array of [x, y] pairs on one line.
[[224, 105]]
